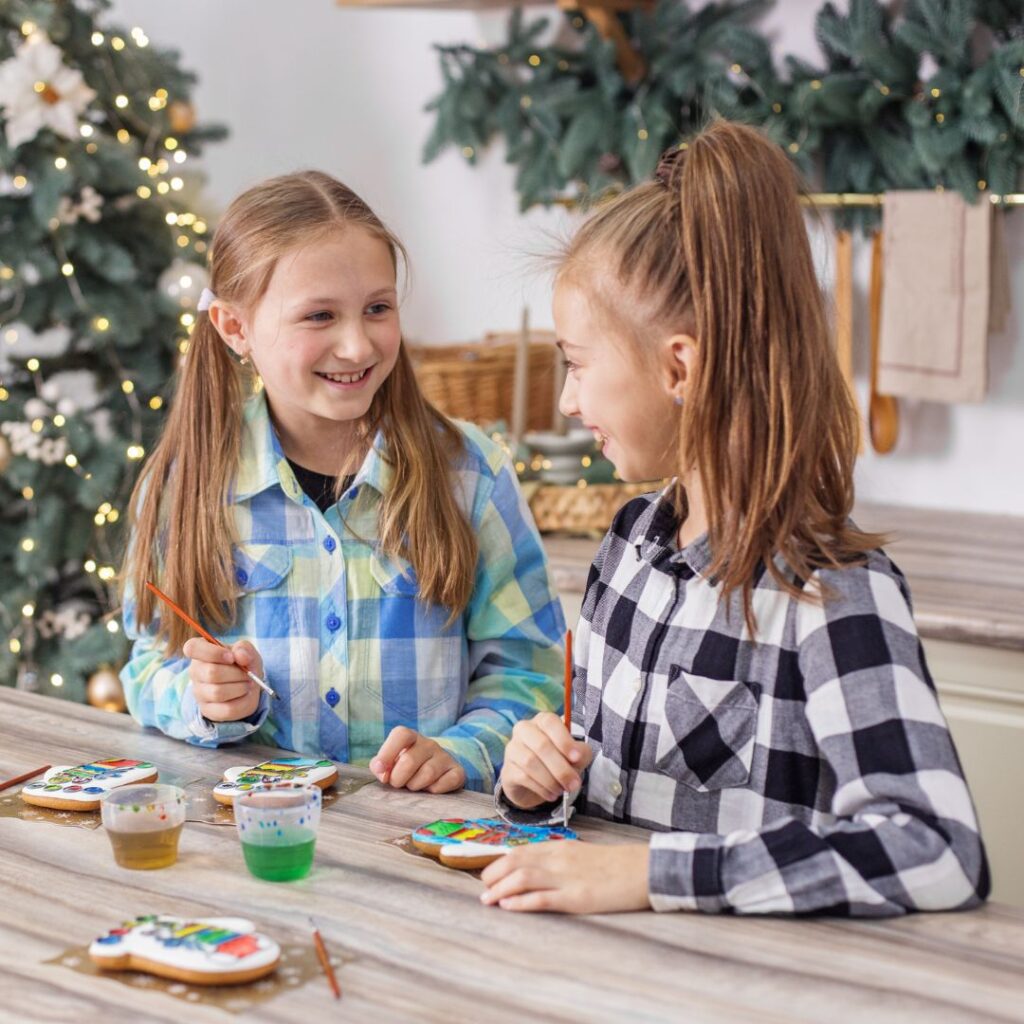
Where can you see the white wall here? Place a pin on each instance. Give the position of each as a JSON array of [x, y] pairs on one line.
[[312, 84]]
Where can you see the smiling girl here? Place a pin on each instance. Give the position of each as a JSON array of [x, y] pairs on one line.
[[749, 681], [372, 560]]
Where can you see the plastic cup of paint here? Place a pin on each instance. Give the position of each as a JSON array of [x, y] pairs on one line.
[[144, 823], [277, 824]]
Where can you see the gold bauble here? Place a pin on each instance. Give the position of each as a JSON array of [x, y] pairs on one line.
[[104, 690], [182, 116]]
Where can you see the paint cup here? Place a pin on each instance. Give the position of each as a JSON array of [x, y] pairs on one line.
[[277, 825], [144, 823]]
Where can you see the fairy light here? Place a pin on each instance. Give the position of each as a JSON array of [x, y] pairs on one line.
[[180, 156], [534, 60], [60, 163], [135, 452], [27, 493], [58, 420], [71, 460], [117, 43], [57, 679], [19, 181], [171, 218], [15, 645], [121, 101], [101, 323], [85, 131], [156, 403], [99, 520], [98, 38], [468, 151], [28, 544], [112, 626], [123, 135], [28, 610], [33, 365], [91, 147], [89, 565], [37, 426], [28, 27], [4, 394], [177, 184], [106, 572], [200, 227], [6, 273], [143, 191], [170, 142], [67, 269], [187, 319], [127, 387]]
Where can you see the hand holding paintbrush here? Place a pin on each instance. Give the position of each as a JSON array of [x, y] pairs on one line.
[[221, 675]]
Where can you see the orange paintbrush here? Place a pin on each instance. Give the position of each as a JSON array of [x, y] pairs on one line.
[[203, 633], [568, 714]]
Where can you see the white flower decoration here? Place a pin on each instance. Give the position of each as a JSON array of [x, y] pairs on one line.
[[38, 90]]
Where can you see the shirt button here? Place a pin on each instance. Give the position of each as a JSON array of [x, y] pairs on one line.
[[329, 544], [333, 623], [242, 576], [332, 697], [616, 788]]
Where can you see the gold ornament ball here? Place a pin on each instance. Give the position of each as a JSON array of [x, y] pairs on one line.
[[5, 453], [104, 690], [182, 116]]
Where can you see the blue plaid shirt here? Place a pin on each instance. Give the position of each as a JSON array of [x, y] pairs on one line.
[[346, 644]]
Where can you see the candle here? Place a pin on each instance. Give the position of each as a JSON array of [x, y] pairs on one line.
[[520, 379]]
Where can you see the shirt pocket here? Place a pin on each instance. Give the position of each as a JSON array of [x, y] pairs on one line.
[[261, 566], [419, 676], [707, 731]]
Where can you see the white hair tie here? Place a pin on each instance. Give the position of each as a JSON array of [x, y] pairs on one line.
[[205, 300]]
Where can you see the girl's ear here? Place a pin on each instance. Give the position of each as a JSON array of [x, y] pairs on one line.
[[230, 326], [678, 365]]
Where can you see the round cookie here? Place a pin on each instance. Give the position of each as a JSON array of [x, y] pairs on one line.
[[471, 843], [82, 787], [281, 771], [212, 951]]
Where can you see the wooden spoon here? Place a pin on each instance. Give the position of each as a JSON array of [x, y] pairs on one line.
[[883, 412], [844, 318]]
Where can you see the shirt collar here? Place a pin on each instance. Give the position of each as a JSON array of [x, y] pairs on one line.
[[655, 538], [263, 464]]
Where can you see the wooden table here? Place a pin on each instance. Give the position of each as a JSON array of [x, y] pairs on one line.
[[424, 948]]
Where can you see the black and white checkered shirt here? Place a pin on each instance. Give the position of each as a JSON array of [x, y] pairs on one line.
[[811, 771]]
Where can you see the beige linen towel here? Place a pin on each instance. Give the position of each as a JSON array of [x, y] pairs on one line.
[[935, 308]]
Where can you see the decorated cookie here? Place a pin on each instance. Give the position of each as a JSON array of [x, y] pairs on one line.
[[470, 843], [83, 787], [299, 771], [212, 951]]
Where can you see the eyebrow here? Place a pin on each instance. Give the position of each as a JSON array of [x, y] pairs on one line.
[[330, 300]]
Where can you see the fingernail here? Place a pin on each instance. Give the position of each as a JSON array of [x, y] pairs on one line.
[[574, 756], [574, 785], [376, 766]]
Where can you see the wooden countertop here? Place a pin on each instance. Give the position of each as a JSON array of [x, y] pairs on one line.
[[421, 946], [966, 570]]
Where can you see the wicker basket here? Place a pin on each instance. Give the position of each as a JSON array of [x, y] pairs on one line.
[[581, 510], [474, 381]]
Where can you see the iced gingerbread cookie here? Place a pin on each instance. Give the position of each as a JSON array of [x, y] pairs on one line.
[[300, 771], [213, 951], [471, 843], [83, 787]]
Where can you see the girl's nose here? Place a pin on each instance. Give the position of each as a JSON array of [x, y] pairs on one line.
[[568, 405], [353, 343]]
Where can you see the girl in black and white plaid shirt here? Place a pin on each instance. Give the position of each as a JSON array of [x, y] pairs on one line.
[[749, 682]]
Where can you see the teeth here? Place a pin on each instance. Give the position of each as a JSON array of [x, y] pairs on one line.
[[345, 378]]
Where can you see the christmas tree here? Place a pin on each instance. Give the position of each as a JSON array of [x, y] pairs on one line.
[[100, 262]]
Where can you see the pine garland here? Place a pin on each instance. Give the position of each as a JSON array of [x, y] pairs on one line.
[[932, 97]]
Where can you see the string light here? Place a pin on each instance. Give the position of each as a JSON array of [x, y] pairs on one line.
[[60, 163], [28, 610], [85, 131], [97, 38], [71, 460], [106, 572], [127, 387], [89, 565], [156, 402], [33, 365], [28, 544], [15, 645], [67, 269], [27, 493], [58, 420], [117, 43], [112, 626], [57, 679], [135, 452]]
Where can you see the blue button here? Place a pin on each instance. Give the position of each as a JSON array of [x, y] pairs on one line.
[[242, 576], [333, 623], [332, 697], [329, 543]]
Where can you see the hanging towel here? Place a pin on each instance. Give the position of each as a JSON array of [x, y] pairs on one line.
[[935, 309]]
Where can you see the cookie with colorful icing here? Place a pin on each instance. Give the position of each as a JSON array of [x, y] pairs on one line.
[[82, 787], [284, 771], [211, 951], [470, 843]]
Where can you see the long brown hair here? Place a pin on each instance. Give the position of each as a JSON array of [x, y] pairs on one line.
[[182, 525], [716, 247]]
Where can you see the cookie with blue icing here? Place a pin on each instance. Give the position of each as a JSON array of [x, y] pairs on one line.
[[471, 843], [281, 771], [83, 786]]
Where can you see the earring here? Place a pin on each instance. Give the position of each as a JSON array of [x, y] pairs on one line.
[[678, 399], [243, 361]]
